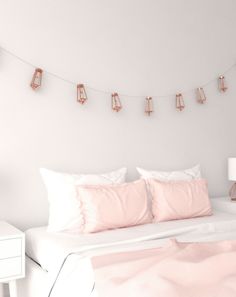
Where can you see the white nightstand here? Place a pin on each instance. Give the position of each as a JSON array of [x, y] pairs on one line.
[[224, 204], [12, 256]]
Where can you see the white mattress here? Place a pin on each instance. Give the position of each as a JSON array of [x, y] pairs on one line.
[[49, 249]]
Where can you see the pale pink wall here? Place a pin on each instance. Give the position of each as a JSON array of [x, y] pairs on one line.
[[144, 47]]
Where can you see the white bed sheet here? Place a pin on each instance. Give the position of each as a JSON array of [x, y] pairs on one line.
[[49, 249], [77, 276]]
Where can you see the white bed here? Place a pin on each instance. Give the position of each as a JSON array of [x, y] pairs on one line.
[[46, 251]]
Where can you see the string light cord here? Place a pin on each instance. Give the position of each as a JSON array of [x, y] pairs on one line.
[[59, 272], [107, 92], [34, 66]]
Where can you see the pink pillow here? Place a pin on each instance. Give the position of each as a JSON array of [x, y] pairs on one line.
[[113, 206], [175, 200]]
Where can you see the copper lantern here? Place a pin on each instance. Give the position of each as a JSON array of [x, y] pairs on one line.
[[179, 102], [115, 102], [149, 106], [201, 97], [81, 94], [222, 85], [37, 79]]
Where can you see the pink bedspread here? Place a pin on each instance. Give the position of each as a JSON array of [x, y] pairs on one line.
[[176, 270]]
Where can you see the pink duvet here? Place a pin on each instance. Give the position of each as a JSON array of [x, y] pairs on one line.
[[176, 270]]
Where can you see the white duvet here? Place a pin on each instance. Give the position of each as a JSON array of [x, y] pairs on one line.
[[50, 249]]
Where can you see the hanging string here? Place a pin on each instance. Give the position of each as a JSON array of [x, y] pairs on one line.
[[108, 92], [35, 66]]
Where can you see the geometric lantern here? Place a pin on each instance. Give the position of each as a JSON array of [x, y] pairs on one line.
[[222, 84], [81, 94], [149, 106], [37, 79], [179, 102], [115, 102], [201, 97]]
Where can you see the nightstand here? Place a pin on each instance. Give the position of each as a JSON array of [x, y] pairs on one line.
[[12, 256], [224, 204]]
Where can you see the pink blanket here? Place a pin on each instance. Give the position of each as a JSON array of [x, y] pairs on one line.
[[176, 270]]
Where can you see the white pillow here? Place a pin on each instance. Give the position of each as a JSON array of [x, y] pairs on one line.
[[64, 208], [187, 174]]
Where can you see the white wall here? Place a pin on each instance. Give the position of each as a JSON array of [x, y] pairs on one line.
[[137, 47]]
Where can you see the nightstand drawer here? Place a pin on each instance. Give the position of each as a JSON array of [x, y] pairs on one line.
[[10, 267], [10, 248]]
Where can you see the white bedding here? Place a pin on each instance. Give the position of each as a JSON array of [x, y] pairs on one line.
[[77, 276], [49, 249]]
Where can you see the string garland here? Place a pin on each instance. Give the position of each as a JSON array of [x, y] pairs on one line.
[[115, 97]]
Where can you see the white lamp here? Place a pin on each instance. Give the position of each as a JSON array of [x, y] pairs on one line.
[[232, 176]]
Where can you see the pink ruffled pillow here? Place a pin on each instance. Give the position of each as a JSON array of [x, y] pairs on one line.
[[106, 207], [175, 200]]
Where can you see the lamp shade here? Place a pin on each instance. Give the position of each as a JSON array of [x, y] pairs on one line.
[[232, 169]]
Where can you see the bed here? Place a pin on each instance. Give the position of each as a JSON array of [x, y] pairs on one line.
[[60, 264]]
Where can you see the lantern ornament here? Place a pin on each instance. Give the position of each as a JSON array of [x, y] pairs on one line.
[[222, 85], [201, 97], [81, 94], [179, 102], [37, 79], [115, 102], [149, 106]]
